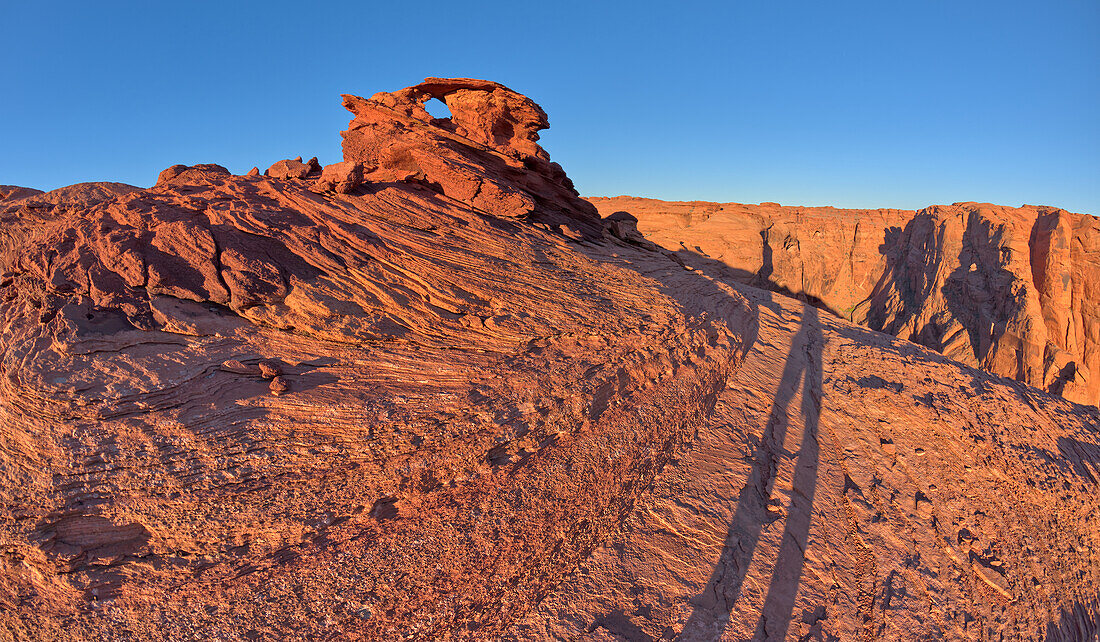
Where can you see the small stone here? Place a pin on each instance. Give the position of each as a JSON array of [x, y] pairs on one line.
[[255, 171], [270, 369], [279, 386], [237, 367]]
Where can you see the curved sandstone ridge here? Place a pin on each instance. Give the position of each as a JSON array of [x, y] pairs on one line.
[[426, 393], [1015, 291], [76, 195]]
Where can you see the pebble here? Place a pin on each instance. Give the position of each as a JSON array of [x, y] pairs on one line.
[[279, 386], [270, 369]]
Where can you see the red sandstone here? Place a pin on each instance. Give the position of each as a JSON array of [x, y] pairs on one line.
[[429, 394]]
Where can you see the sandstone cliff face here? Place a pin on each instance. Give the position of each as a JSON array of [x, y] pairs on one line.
[[426, 393], [1011, 290]]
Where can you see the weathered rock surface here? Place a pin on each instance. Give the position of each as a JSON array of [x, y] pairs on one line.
[[457, 408], [1013, 290], [486, 154], [248, 407], [853, 486], [77, 195], [14, 192]]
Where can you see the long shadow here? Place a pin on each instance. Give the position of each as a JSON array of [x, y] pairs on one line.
[[1078, 623], [714, 605], [1083, 456]]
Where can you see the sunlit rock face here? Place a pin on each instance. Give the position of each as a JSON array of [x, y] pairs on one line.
[[486, 154], [1015, 291], [426, 392]]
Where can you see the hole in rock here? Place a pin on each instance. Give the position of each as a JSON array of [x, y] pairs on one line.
[[437, 108]]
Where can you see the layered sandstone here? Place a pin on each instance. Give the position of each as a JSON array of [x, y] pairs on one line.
[[427, 393], [1015, 291], [485, 155], [456, 407]]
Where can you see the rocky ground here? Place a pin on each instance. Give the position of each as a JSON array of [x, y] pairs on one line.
[[428, 393], [851, 486]]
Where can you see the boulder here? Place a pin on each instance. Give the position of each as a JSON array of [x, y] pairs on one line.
[[289, 168], [201, 174], [342, 177]]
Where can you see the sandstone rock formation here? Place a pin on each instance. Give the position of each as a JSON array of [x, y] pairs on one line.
[[449, 402], [1013, 290], [486, 154], [853, 486], [72, 195], [14, 192]]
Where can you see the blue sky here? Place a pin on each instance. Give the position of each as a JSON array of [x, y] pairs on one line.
[[853, 104]]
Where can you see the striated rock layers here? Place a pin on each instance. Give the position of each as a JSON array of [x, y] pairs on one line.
[[1015, 291], [485, 155], [426, 393], [233, 406]]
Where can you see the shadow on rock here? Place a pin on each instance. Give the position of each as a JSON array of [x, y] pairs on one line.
[[1080, 623], [755, 503]]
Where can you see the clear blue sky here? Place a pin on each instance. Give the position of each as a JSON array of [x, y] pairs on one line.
[[857, 104]]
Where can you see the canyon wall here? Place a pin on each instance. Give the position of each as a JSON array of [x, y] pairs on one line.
[[1015, 291]]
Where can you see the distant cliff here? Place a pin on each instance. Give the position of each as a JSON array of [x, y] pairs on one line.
[[1015, 291]]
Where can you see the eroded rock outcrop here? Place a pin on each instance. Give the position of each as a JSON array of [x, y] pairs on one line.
[[429, 394], [76, 195], [486, 154], [1013, 290]]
